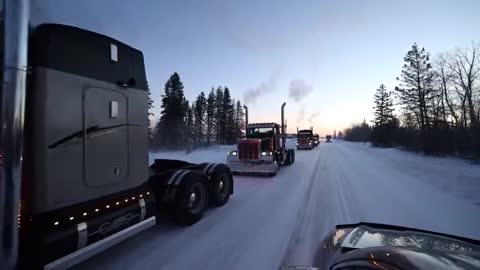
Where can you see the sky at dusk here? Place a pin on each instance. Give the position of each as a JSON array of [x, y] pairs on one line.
[[324, 58]]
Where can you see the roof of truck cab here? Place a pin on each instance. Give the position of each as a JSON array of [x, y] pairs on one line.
[[85, 53], [305, 130], [257, 125]]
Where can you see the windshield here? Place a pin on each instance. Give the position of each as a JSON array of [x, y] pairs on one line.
[[304, 135], [260, 133], [123, 118]]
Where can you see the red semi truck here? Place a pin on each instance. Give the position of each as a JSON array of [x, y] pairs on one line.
[[263, 151], [305, 139]]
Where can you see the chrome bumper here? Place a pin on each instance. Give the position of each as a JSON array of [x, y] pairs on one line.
[[264, 166], [300, 147]]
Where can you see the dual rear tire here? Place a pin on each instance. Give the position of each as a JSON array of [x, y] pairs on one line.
[[198, 190], [191, 199], [290, 157], [221, 185]]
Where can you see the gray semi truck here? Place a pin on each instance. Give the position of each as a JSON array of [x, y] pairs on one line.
[[86, 182]]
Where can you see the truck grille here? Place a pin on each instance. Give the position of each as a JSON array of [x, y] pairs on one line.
[[304, 141], [249, 149]]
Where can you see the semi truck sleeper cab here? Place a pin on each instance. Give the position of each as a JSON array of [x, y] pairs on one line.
[[86, 181]]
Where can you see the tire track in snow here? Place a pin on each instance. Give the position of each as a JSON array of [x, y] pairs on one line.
[[296, 235], [326, 205]]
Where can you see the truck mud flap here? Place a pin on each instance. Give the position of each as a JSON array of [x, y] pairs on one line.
[[165, 185]]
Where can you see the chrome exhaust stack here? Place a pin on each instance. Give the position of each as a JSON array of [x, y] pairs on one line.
[[283, 124], [246, 115], [14, 71]]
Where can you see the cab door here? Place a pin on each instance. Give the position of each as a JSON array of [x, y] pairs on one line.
[[105, 136]]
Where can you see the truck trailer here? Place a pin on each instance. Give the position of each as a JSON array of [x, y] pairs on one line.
[[86, 182]]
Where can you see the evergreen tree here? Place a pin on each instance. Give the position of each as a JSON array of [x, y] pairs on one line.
[[384, 125], [199, 118], [210, 115], [383, 100], [219, 116], [228, 127], [150, 113], [170, 128], [358, 132], [189, 125], [416, 91]]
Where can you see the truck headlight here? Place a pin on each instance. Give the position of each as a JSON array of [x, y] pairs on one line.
[[309, 143], [266, 153], [316, 141], [233, 153]]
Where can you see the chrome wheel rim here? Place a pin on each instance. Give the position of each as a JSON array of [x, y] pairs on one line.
[[222, 185], [196, 199]]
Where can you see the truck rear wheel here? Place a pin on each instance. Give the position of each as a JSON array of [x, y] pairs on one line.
[[191, 199], [221, 185], [272, 174], [290, 156]]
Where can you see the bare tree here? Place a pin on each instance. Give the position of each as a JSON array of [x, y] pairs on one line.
[[440, 103], [444, 80], [463, 107], [465, 65]]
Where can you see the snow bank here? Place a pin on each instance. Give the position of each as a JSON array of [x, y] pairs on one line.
[[214, 153], [456, 176]]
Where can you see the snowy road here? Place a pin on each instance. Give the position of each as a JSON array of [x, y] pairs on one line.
[[281, 221]]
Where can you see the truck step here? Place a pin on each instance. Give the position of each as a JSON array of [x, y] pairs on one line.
[[97, 247]]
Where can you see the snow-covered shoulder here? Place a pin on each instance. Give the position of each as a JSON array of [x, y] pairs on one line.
[[214, 153], [456, 176]]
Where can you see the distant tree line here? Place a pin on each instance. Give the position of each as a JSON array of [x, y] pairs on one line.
[[438, 103], [216, 118], [358, 132]]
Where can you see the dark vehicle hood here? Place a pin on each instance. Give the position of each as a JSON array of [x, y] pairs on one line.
[[391, 247]]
